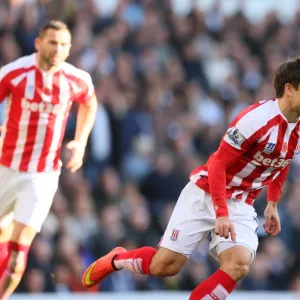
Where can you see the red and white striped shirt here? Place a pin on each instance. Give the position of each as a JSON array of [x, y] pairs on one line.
[[38, 105], [264, 143]]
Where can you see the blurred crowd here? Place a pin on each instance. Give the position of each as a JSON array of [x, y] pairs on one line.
[[168, 85]]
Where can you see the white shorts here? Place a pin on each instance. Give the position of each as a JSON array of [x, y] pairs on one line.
[[193, 219], [26, 197]]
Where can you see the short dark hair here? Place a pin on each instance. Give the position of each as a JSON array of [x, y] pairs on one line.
[[287, 72], [53, 24]]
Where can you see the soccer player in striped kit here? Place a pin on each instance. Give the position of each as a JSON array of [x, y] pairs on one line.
[[254, 153], [40, 89]]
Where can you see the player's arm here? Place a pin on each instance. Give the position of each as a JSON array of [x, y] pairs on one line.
[[272, 221], [243, 132], [241, 135], [86, 116], [235, 143], [223, 159], [4, 83], [85, 120], [4, 87], [275, 187]]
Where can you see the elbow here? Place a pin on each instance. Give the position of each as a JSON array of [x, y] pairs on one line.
[[93, 103]]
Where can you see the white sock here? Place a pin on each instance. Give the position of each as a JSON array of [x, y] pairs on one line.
[[134, 265], [219, 293]]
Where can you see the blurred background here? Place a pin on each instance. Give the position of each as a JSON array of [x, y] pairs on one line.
[[169, 78]]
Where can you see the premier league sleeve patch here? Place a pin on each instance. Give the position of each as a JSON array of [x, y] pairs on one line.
[[234, 137]]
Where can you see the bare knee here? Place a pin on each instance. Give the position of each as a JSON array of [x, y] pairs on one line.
[[166, 263], [22, 234], [236, 269], [236, 261]]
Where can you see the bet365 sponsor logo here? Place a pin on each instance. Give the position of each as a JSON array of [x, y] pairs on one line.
[[43, 107], [260, 159]]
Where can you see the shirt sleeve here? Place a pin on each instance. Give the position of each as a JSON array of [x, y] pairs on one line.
[[222, 160], [87, 90], [244, 130], [275, 187], [241, 135], [238, 138], [4, 85]]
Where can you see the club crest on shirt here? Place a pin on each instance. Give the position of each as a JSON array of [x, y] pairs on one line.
[[269, 148], [235, 136], [174, 235]]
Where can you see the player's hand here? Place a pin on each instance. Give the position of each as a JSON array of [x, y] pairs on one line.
[[272, 224], [76, 160], [224, 227]]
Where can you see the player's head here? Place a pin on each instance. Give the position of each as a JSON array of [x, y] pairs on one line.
[[53, 43], [287, 81]]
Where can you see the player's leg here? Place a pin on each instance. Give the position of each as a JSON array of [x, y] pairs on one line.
[[145, 261], [34, 199], [5, 234], [234, 265], [236, 261], [6, 228], [7, 201], [184, 231], [18, 248], [166, 262], [160, 262], [235, 258]]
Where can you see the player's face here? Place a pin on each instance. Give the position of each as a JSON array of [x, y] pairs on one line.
[[54, 47]]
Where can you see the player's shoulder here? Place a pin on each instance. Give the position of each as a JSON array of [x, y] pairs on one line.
[[260, 112], [253, 121], [76, 73], [23, 62]]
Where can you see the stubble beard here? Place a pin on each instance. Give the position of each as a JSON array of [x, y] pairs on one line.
[[47, 62]]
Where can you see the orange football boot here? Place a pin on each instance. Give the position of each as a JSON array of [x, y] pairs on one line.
[[100, 268]]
